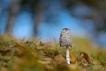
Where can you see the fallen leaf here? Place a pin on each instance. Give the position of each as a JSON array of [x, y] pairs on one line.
[[27, 49], [73, 57], [42, 46], [73, 67], [82, 61], [86, 56], [60, 59]]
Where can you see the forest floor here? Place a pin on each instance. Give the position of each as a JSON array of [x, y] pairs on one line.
[[35, 55]]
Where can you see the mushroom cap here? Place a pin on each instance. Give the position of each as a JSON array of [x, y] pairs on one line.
[[65, 38]]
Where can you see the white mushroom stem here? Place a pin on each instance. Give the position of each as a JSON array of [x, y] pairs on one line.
[[67, 55]]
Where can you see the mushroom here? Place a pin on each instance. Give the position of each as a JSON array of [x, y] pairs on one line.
[[66, 40]]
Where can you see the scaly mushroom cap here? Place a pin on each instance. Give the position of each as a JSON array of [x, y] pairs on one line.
[[65, 38]]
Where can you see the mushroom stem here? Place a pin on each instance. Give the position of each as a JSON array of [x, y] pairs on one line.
[[67, 55]]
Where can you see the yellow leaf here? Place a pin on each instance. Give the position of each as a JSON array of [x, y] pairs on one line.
[[73, 57]]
